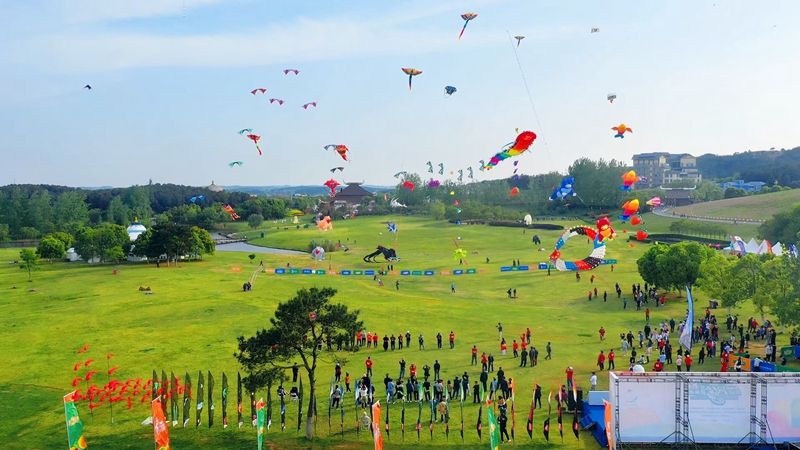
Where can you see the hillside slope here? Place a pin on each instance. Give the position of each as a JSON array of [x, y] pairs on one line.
[[756, 207]]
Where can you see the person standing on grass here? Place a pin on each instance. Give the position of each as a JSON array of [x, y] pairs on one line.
[[602, 332], [368, 364], [385, 342], [601, 360], [549, 354], [503, 347], [453, 288], [474, 361], [593, 382], [393, 341], [591, 279], [570, 374], [509, 292], [528, 335], [484, 361], [436, 370], [295, 371], [679, 362], [347, 381], [515, 348], [421, 340], [499, 330], [408, 338], [687, 361], [605, 296], [452, 339], [611, 365], [647, 315], [439, 340], [523, 358], [490, 361]]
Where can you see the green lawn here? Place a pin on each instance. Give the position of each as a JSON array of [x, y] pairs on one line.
[[192, 321], [755, 207]]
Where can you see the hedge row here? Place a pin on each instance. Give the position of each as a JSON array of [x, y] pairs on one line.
[[515, 224]]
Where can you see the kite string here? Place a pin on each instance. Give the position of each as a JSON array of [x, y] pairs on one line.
[[527, 89]]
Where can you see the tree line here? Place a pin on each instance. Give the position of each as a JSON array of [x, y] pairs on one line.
[[769, 166]]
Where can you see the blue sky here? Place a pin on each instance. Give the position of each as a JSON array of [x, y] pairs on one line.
[[172, 82]]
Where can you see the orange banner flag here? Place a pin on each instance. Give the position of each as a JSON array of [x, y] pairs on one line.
[[160, 430], [376, 426]]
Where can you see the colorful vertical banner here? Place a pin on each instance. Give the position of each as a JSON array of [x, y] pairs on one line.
[[211, 384], [200, 384], [607, 419], [376, 425], [239, 399], [173, 397], [224, 401], [74, 424], [494, 429], [187, 400], [260, 419], [160, 429]]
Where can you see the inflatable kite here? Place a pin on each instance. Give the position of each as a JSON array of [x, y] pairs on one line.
[[449, 90], [621, 129], [467, 17], [514, 191], [459, 253], [235, 163], [629, 208], [341, 149], [340, 169], [590, 262], [388, 254], [194, 199], [519, 38], [331, 184], [395, 204], [522, 143], [295, 71], [655, 201], [408, 185], [636, 220], [325, 224], [273, 100], [255, 138], [605, 229], [736, 241], [314, 104], [262, 90], [641, 235], [564, 190], [229, 210], [441, 168], [430, 167], [318, 253], [433, 184], [628, 179], [411, 73], [611, 97]]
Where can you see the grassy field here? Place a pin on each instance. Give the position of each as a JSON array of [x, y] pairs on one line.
[[192, 320], [756, 207]]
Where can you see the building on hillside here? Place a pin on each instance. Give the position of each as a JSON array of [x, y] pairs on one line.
[[214, 188], [678, 196], [662, 168], [351, 196], [750, 186], [134, 230]]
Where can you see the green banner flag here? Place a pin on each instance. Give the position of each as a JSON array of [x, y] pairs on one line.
[[173, 391], [187, 399], [494, 429], [210, 399], [74, 424], [163, 394], [261, 421], [224, 401], [200, 384]]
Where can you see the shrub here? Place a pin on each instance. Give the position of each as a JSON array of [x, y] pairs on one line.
[[326, 245], [515, 224]]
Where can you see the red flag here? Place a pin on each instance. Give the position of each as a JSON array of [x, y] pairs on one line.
[[607, 419]]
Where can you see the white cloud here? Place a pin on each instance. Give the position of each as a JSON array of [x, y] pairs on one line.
[[86, 11]]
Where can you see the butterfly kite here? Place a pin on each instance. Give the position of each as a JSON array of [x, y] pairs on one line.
[[314, 104], [521, 144], [295, 71], [255, 138], [341, 149], [430, 167], [262, 90], [331, 184], [340, 169], [235, 163], [467, 17], [246, 130], [449, 90], [621, 129], [273, 100], [195, 199], [411, 73], [519, 38], [441, 168]]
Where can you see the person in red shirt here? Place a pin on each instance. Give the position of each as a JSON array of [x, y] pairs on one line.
[[611, 355], [570, 374], [601, 360], [503, 347], [474, 356], [724, 360], [515, 347], [524, 344], [358, 338], [528, 335], [375, 340], [688, 361], [647, 315], [602, 332], [484, 361], [368, 363], [658, 367], [452, 340], [413, 371], [369, 339]]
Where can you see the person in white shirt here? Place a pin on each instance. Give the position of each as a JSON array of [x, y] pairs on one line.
[[679, 362], [593, 381]]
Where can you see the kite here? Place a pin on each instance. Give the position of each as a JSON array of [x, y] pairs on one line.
[[88, 87], [441, 168], [235, 163], [84, 349], [636, 220], [604, 227], [460, 175], [467, 17], [459, 253], [255, 138], [521, 144], [246, 130], [519, 38], [391, 226], [641, 235], [314, 104], [595, 30], [483, 165], [273, 100], [398, 174], [449, 90], [341, 149], [611, 97], [262, 90], [628, 179], [295, 71], [331, 184], [395, 204], [514, 191], [655, 201], [469, 169], [621, 129], [564, 190], [590, 262], [408, 185], [319, 254], [629, 208], [195, 199], [411, 73], [340, 169], [229, 210], [430, 167], [433, 184], [389, 254], [324, 225]]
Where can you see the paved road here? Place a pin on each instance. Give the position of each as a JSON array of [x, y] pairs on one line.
[[664, 212]]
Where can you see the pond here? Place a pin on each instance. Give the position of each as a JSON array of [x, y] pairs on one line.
[[245, 247]]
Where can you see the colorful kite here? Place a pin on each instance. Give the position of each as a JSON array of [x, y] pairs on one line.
[[324, 225], [519, 38], [467, 17], [295, 71], [235, 163], [641, 235], [399, 174], [430, 167], [521, 144], [636, 220], [611, 97], [621, 129], [246, 130], [408, 185], [229, 210], [411, 73], [514, 191], [483, 165], [331, 184], [194, 199], [273, 100], [340, 169], [590, 262], [255, 138], [605, 229], [628, 179], [459, 253], [441, 168], [564, 190], [449, 90], [434, 184], [341, 149], [460, 175], [655, 201], [629, 208], [262, 90], [314, 104]]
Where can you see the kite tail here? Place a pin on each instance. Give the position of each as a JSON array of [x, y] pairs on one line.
[[462, 30], [409, 82], [259, 149]]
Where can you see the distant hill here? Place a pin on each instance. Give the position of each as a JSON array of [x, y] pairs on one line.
[[291, 190], [767, 166], [754, 207]]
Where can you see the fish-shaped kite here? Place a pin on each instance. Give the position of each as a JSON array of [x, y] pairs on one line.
[[235, 163], [262, 90], [255, 138], [341, 149], [467, 17], [411, 73], [273, 100], [314, 104], [295, 71], [621, 129]]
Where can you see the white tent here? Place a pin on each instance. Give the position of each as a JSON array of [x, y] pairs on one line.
[[777, 249], [751, 246]]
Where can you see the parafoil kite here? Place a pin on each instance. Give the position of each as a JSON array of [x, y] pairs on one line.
[[595, 30], [229, 210], [605, 229], [449, 90], [295, 71], [399, 174], [411, 73], [483, 165], [611, 97], [325, 224], [459, 253], [262, 90], [318, 253], [441, 168], [235, 163], [460, 175], [194, 199], [564, 190], [340, 169], [341, 149], [433, 184], [246, 130], [467, 17], [331, 184], [408, 185], [273, 100], [655, 201], [522, 143], [630, 208], [519, 38], [641, 234], [590, 262], [314, 104], [621, 129], [430, 167], [255, 138], [628, 179], [469, 170], [514, 191]]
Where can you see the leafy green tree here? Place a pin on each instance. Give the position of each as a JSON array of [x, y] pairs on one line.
[[114, 254], [732, 192], [71, 211], [137, 198], [118, 212], [783, 227], [649, 269], [5, 233], [675, 266], [715, 279], [297, 331], [65, 238], [255, 220], [29, 233], [436, 210], [202, 243], [40, 211], [782, 283], [252, 256], [50, 248], [86, 244], [30, 262], [707, 191], [168, 239]]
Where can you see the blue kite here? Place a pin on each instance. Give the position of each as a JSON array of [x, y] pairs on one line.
[[564, 190], [449, 90]]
